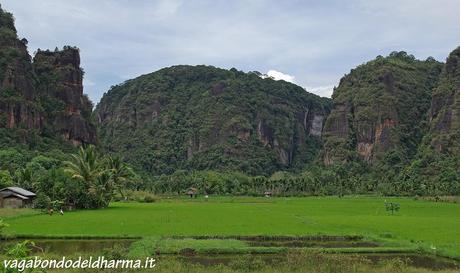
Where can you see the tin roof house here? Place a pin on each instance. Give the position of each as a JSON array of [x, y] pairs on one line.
[[15, 197]]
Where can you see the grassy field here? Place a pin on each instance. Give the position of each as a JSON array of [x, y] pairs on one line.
[[429, 225], [10, 213]]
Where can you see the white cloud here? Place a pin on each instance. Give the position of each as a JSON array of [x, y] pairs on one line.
[[322, 91], [277, 75]]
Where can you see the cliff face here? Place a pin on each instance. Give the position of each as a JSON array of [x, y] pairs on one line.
[[445, 108], [203, 117], [18, 101], [44, 96], [380, 107], [60, 82], [435, 170]]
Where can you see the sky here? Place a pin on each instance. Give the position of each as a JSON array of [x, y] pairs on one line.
[[312, 43]]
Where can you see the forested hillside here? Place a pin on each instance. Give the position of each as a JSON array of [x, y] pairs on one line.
[[436, 169], [381, 110], [202, 117]]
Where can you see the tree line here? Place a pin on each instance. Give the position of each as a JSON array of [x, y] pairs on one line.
[[86, 179]]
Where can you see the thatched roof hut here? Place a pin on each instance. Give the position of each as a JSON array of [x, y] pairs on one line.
[[192, 192]]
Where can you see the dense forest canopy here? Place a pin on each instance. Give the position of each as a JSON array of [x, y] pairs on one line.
[[202, 117]]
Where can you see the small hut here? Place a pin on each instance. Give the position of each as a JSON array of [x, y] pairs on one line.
[[268, 193], [192, 192], [15, 197]]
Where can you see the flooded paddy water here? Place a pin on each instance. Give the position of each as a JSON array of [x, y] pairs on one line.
[[71, 246], [68, 247], [414, 260], [309, 241]]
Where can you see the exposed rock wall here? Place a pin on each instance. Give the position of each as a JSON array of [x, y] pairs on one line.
[[380, 107], [61, 80], [445, 107], [44, 96], [18, 99]]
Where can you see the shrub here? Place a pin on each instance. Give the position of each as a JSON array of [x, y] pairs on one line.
[[149, 199], [42, 201]]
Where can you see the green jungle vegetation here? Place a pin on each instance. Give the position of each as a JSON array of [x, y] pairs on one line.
[[162, 111], [202, 117], [437, 162], [398, 88], [86, 179]]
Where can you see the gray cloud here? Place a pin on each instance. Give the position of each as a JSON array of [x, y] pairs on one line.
[[316, 42]]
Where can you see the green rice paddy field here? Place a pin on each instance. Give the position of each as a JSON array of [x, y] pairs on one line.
[[431, 226]]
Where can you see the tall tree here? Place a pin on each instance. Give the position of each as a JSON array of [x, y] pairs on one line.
[[89, 168], [120, 174], [86, 165]]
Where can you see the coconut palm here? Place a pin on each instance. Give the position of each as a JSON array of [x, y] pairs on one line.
[[89, 168], [85, 166], [101, 190], [23, 178], [120, 174]]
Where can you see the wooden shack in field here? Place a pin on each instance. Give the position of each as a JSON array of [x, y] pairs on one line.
[[15, 197]]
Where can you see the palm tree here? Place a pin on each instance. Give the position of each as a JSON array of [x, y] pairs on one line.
[[89, 168], [101, 190], [85, 166], [120, 174], [23, 178]]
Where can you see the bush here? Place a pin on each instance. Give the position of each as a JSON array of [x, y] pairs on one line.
[[139, 196], [5, 179], [42, 201], [149, 199]]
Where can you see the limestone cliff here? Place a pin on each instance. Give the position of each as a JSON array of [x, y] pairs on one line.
[[445, 107], [380, 107], [60, 80], [435, 170], [18, 99], [43, 97]]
